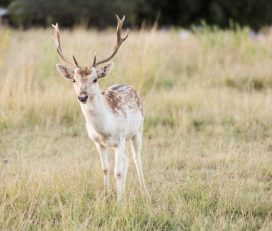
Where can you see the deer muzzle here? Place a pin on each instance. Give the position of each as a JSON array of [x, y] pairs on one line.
[[83, 98]]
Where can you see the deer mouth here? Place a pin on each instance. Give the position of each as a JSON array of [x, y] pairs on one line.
[[83, 102]]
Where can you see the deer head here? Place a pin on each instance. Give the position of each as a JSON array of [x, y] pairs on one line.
[[85, 79]]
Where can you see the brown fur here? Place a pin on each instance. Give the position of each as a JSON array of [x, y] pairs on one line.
[[84, 71], [122, 98]]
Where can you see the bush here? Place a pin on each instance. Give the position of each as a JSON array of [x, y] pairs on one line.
[[167, 13]]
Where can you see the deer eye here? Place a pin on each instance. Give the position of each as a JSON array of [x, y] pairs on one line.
[[74, 80], [95, 80]]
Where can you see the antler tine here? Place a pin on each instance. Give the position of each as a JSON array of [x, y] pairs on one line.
[[119, 41], [119, 29], [94, 61], [56, 32], [75, 61]]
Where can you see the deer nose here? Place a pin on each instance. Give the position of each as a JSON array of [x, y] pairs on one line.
[[82, 98]]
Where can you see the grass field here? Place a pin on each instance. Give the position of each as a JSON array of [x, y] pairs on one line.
[[207, 144]]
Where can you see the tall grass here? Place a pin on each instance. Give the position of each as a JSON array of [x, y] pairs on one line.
[[207, 150]]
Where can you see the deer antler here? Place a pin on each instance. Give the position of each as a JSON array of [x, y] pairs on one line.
[[56, 34], [119, 42]]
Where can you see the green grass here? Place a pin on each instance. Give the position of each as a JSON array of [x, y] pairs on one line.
[[207, 137]]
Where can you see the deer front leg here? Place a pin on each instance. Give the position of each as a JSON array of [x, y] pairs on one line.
[[119, 169], [103, 152]]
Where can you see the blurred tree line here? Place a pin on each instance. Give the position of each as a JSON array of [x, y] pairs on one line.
[[100, 13]]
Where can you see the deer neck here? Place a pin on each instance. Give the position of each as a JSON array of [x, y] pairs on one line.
[[96, 112]]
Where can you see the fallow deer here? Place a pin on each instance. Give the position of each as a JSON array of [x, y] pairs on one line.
[[112, 116]]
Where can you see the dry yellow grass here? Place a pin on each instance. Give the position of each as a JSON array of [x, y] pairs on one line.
[[207, 150]]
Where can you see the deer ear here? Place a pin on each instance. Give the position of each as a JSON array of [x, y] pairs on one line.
[[103, 71], [65, 71]]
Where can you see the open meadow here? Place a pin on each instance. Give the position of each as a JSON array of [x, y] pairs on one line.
[[207, 152]]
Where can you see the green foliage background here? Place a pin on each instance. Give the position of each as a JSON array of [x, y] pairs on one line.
[[253, 13]]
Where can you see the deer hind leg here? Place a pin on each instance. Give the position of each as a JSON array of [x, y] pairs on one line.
[[125, 171], [103, 152], [119, 169], [136, 147]]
